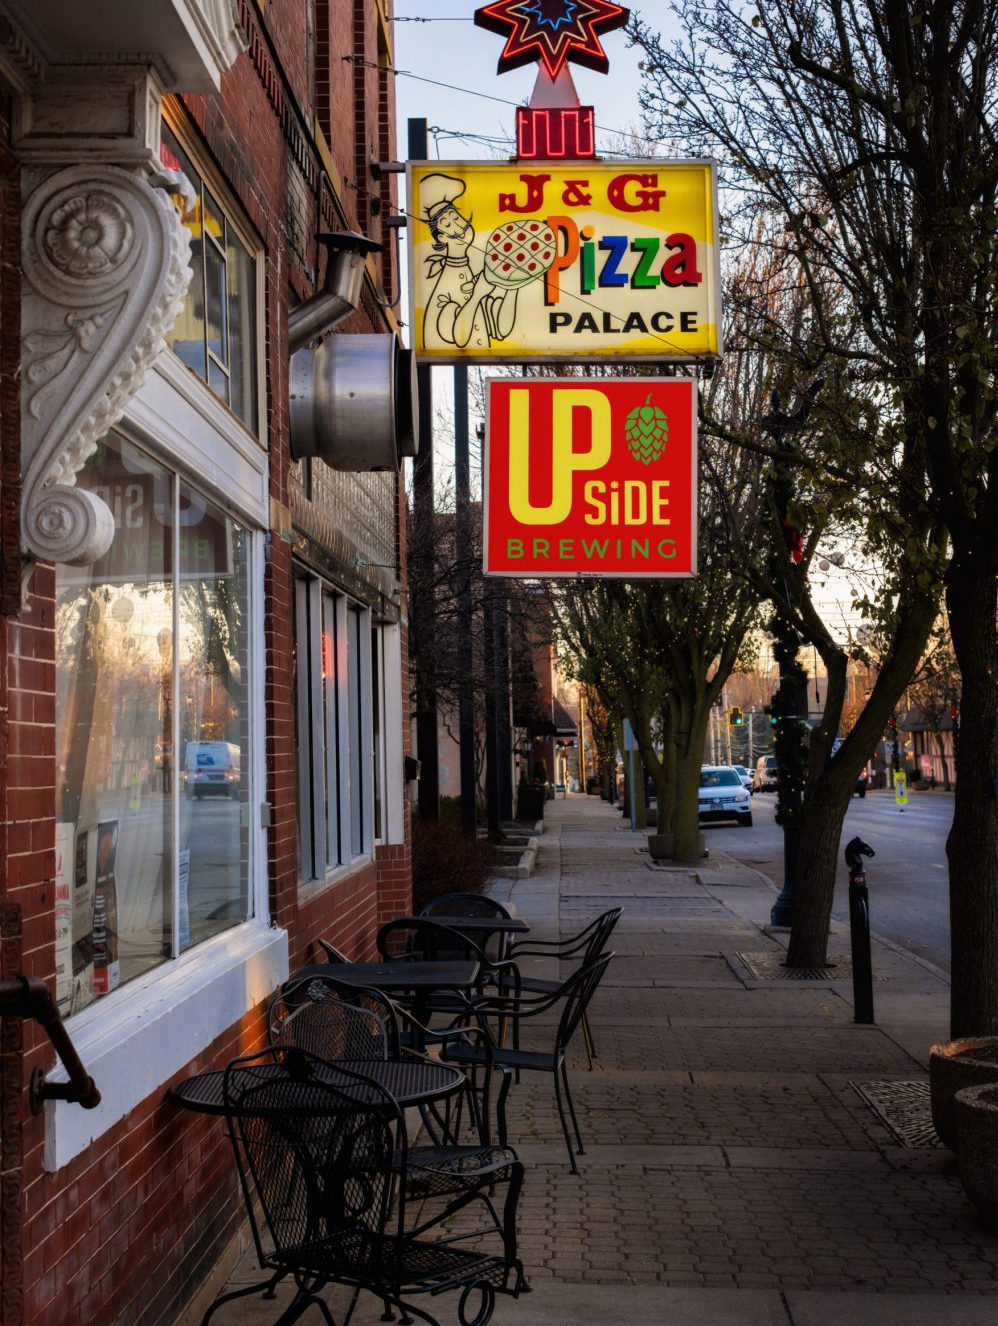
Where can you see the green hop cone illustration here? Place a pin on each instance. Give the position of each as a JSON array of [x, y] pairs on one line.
[[646, 430]]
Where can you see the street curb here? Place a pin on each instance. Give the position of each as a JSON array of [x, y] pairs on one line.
[[891, 944]]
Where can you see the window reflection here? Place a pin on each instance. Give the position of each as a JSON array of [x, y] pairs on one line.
[[214, 735], [114, 666], [144, 648]]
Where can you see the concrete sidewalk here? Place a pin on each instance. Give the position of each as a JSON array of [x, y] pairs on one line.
[[734, 1173]]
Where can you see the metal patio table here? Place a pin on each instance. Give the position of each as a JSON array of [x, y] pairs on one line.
[[419, 978], [477, 925], [412, 1082]]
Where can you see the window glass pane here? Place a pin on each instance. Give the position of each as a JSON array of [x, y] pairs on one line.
[[331, 728], [214, 221], [219, 311], [114, 724], [218, 380], [214, 272], [303, 734], [241, 273], [187, 337], [356, 729], [376, 704], [213, 866]]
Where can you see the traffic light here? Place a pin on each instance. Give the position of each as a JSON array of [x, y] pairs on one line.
[[735, 717], [773, 720]]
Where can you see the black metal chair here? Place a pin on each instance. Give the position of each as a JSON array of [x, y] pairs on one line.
[[450, 907], [325, 1171], [575, 994], [345, 1023], [590, 943]]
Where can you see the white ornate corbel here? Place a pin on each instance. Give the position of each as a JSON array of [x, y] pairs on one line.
[[106, 263]]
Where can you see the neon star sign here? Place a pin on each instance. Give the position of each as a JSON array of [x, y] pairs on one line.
[[552, 31]]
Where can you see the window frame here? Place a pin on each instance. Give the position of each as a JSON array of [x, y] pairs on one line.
[[175, 118], [350, 665], [148, 1029]]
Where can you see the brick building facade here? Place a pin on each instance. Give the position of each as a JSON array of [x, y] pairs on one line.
[[203, 654]]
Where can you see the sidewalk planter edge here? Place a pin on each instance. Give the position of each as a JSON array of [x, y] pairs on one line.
[[976, 1110], [952, 1067]]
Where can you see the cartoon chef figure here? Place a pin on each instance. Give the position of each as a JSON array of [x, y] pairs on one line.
[[464, 307]]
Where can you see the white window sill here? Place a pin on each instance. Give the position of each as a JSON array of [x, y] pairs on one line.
[[133, 1043], [315, 888]]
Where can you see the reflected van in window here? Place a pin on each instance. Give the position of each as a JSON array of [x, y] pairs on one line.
[[211, 768]]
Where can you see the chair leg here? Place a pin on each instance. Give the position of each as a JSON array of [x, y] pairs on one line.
[[353, 1304], [564, 1122], [266, 1289], [587, 1036], [571, 1108], [501, 1106], [299, 1305]]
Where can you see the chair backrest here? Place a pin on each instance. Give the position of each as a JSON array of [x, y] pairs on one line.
[[464, 904], [335, 1021], [316, 1158], [577, 991], [451, 907], [601, 932], [418, 939]]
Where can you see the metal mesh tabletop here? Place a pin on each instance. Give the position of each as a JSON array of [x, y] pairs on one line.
[[483, 925], [411, 1082], [422, 976]]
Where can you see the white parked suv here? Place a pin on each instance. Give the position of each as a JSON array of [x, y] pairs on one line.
[[722, 796]]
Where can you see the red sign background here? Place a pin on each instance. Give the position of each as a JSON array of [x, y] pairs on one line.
[[599, 482]]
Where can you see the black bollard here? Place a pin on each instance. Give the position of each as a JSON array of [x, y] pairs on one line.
[[859, 931]]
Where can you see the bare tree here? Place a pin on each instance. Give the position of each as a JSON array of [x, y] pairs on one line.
[[869, 129]]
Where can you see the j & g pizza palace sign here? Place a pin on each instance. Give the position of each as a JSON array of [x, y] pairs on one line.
[[561, 262]]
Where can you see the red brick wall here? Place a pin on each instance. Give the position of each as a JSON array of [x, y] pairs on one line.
[[127, 1232]]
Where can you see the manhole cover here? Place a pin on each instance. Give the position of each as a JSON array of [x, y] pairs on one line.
[[768, 965], [905, 1108]]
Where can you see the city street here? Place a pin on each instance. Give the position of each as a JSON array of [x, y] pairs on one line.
[[907, 878]]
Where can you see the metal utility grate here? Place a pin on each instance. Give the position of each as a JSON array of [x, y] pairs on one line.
[[904, 1108], [768, 965]]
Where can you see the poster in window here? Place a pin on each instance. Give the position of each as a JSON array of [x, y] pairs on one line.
[[106, 967], [83, 925]]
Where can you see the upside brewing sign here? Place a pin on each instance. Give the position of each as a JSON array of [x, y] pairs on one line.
[[563, 261], [590, 477]]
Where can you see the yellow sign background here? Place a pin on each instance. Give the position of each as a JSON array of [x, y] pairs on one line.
[[633, 269]]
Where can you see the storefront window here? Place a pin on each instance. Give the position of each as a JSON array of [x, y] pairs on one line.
[[151, 660], [215, 334], [335, 709]]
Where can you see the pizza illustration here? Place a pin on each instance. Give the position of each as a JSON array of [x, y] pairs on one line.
[[518, 253]]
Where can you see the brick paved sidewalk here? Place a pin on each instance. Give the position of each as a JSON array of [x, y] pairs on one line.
[[733, 1172]]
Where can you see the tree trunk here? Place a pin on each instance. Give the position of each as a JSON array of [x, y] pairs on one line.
[[941, 749], [686, 819], [638, 793], [972, 845], [820, 830]]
